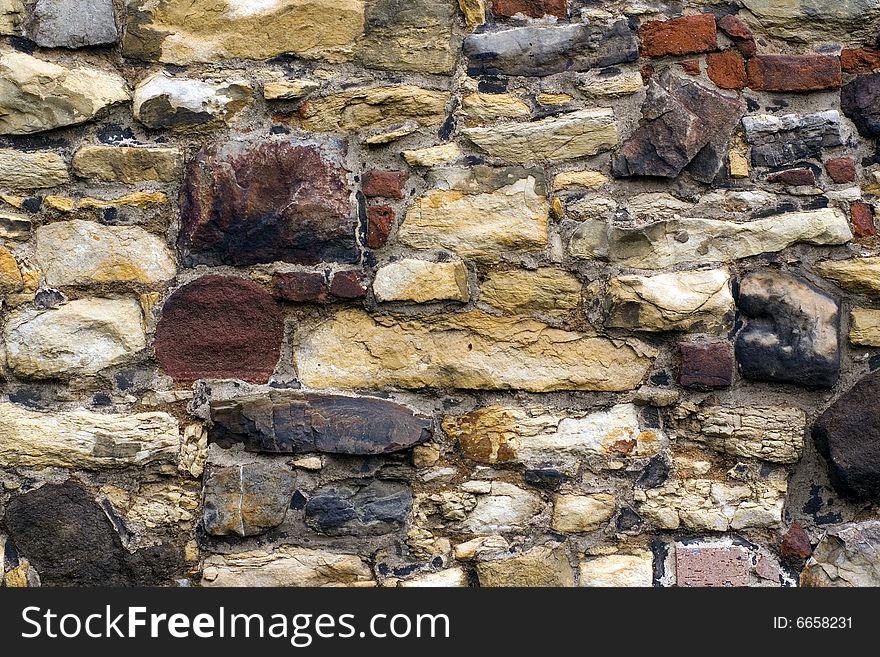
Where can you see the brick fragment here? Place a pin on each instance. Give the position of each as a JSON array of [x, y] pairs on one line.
[[380, 219], [841, 169], [348, 285], [794, 72], [862, 219], [688, 35], [726, 69], [706, 364], [300, 286], [387, 184]]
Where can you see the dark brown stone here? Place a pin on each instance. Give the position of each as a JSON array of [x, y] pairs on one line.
[[841, 169], [533, 8], [247, 499], [380, 219], [273, 200], [794, 72], [349, 284], [860, 60], [703, 565], [300, 286], [862, 219], [312, 422], [690, 66], [688, 35], [795, 547], [739, 33], [793, 177], [219, 327], [847, 434], [860, 101], [706, 364], [387, 184], [726, 69]]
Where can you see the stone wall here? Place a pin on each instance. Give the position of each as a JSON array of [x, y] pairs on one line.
[[439, 292]]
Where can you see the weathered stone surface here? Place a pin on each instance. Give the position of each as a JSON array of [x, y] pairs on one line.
[[359, 508], [73, 24], [546, 289], [128, 165], [805, 21], [480, 226], [282, 199], [433, 155], [847, 434], [582, 513], [85, 440], [791, 331], [845, 556], [474, 12], [387, 184], [349, 284], [10, 275], [472, 350], [380, 222], [862, 218], [631, 570], [605, 83], [564, 137], [278, 87], [680, 36], [726, 69], [421, 281], [374, 108], [794, 72], [673, 301], [864, 327], [793, 177], [87, 253], [533, 8], [155, 505], [705, 364], [860, 60], [482, 109], [574, 179], [219, 327], [80, 338], [12, 15], [161, 101], [187, 31], [684, 125], [541, 437], [38, 95], [300, 286], [795, 546], [246, 500], [540, 566], [788, 138], [286, 566], [545, 50], [451, 577], [310, 422], [667, 243], [21, 170], [738, 32], [711, 565], [859, 275], [859, 102], [769, 433]]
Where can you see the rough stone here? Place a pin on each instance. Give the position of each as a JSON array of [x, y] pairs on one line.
[[845, 556], [312, 422], [603, 84], [349, 285], [73, 24], [574, 179], [79, 338], [546, 289], [380, 222], [791, 331], [421, 281], [862, 218], [10, 275], [860, 60], [474, 12], [806, 21], [433, 155], [582, 513], [680, 36], [246, 202], [630, 570], [387, 184], [247, 499], [533, 8], [859, 99], [358, 508], [472, 350], [864, 327], [711, 565], [300, 286], [793, 177], [128, 165], [21, 170], [219, 327], [545, 50], [39, 95], [12, 16], [451, 577], [286, 566], [482, 109], [726, 69], [162, 101], [85, 253], [674, 301], [794, 72], [738, 32], [705, 364], [795, 546], [859, 275], [788, 138], [539, 567], [278, 87]]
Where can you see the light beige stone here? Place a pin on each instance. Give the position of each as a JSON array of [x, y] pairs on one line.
[[79, 338], [193, 450], [286, 566], [479, 226], [155, 504], [472, 350], [140, 200], [656, 206], [86, 253], [10, 274], [421, 281], [22, 170], [808, 21], [546, 289], [845, 556], [12, 15], [482, 108], [588, 179], [864, 327], [278, 87], [163, 101], [594, 83], [381, 136], [672, 301], [36, 95], [449, 578], [85, 440], [549, 100], [474, 12], [631, 570], [433, 155], [568, 136], [582, 513], [506, 508], [859, 275], [540, 566], [374, 108], [128, 165]]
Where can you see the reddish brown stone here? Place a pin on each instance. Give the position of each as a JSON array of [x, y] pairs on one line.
[[300, 286], [740, 34], [705, 364], [860, 60], [795, 547], [646, 72], [348, 285], [841, 169], [793, 177], [862, 219], [380, 219], [533, 8], [726, 69], [384, 183], [794, 72], [219, 327], [687, 35], [273, 200], [704, 565], [690, 66]]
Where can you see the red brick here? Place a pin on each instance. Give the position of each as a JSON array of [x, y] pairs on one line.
[[793, 177], [380, 219], [348, 285], [841, 169], [533, 8], [300, 286], [687, 35], [860, 60], [740, 34], [862, 219], [726, 69], [794, 72], [705, 364], [388, 184], [703, 565], [690, 66], [795, 547]]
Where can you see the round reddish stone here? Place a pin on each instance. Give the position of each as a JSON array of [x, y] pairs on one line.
[[220, 327], [841, 169]]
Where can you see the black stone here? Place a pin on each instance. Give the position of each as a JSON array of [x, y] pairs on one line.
[[860, 101], [628, 520], [547, 478], [655, 473], [358, 508]]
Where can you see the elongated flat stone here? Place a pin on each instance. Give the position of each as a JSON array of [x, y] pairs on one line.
[[286, 566]]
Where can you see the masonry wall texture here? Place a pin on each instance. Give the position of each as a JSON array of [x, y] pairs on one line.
[[439, 292]]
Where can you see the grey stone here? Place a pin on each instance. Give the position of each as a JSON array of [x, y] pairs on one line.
[[247, 499], [73, 23], [846, 556], [545, 50], [786, 139], [359, 508]]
